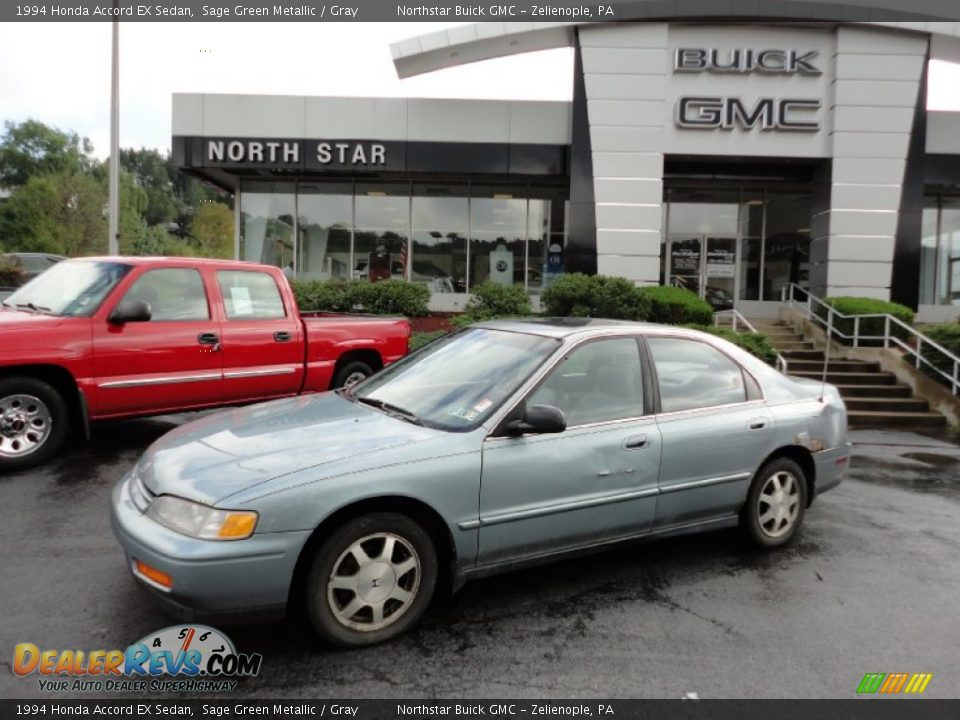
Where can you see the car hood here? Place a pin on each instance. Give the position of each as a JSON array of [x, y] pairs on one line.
[[21, 320], [229, 452]]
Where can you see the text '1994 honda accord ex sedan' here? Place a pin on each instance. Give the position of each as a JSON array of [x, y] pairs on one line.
[[507, 443]]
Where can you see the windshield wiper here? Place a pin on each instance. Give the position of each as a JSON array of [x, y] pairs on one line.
[[35, 308], [392, 410]]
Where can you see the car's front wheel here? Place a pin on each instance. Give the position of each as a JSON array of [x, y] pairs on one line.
[[33, 422], [776, 503], [371, 580]]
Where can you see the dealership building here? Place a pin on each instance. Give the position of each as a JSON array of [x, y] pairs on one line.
[[732, 158]]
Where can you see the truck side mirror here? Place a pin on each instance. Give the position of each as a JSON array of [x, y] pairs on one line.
[[130, 311]]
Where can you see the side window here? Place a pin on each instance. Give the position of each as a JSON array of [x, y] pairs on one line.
[[172, 294], [250, 295], [694, 375], [599, 382]]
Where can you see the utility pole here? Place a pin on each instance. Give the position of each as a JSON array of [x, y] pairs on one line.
[[113, 239]]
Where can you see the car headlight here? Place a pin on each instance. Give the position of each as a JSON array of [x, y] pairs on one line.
[[202, 521]]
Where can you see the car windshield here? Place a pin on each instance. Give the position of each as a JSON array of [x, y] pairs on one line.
[[457, 382], [73, 289]]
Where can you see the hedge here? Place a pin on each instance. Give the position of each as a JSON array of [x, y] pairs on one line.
[[595, 296], [492, 300], [865, 306], [947, 336], [754, 343], [10, 274], [390, 297], [678, 306]]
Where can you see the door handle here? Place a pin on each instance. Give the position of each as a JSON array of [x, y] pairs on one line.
[[282, 336], [757, 424], [636, 442], [210, 339]]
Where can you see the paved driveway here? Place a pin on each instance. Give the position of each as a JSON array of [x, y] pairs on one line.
[[871, 585]]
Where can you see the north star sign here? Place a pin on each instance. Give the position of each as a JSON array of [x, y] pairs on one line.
[[288, 152], [766, 113]]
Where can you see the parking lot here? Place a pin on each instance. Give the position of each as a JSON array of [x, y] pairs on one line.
[[870, 585]]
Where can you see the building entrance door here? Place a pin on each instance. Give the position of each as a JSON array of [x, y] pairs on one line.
[[705, 265]]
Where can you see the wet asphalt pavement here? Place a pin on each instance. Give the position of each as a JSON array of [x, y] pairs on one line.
[[871, 584]]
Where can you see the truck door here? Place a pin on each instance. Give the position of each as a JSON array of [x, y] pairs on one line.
[[169, 362], [263, 340]]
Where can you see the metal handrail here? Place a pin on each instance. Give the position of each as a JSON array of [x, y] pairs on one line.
[[735, 319], [888, 338]]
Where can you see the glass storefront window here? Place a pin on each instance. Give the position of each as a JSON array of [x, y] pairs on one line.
[[928, 250], [266, 224], [498, 229], [440, 221], [382, 222], [324, 228], [751, 248], [786, 257], [948, 263]]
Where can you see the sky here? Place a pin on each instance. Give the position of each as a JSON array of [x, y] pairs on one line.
[[59, 73]]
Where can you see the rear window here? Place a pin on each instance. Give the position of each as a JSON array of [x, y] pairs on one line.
[[250, 294]]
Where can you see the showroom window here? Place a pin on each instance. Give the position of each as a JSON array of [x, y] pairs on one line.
[[448, 236], [940, 251], [267, 224]]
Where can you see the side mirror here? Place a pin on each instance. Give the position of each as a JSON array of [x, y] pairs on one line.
[[130, 311], [538, 420]]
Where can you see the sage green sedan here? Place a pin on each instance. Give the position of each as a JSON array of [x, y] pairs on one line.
[[503, 445]]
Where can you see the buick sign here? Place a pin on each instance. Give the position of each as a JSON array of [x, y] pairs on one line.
[[741, 60]]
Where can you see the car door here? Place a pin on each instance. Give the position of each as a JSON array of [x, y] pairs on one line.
[[263, 341], [169, 362], [715, 429], [593, 482]]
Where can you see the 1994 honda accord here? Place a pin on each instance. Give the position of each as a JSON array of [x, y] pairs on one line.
[[504, 444]]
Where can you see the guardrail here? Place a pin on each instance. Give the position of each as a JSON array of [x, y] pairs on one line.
[[736, 320], [888, 338]]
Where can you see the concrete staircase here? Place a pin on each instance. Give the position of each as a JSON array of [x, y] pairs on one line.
[[874, 398]]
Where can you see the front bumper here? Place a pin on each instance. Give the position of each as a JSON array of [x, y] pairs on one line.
[[830, 467], [215, 580]]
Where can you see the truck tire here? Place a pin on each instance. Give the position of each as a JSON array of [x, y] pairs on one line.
[[350, 374], [371, 580], [33, 422]]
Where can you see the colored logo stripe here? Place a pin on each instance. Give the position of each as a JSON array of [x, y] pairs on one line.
[[894, 683]]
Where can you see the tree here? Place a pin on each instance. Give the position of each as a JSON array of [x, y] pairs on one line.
[[153, 173], [58, 213], [212, 230], [31, 149]]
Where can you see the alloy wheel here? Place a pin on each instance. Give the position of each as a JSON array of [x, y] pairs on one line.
[[779, 504], [25, 425]]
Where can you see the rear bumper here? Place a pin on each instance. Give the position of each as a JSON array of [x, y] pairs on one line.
[[831, 465], [226, 581]]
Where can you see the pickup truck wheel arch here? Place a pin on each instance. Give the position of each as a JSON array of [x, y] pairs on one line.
[[61, 380], [351, 363]]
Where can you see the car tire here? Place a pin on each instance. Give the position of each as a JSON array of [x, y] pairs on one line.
[[350, 374], [357, 595], [775, 504], [33, 422]]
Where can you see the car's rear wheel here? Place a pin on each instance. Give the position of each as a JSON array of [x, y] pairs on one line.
[[352, 373], [776, 503], [33, 422], [371, 580]]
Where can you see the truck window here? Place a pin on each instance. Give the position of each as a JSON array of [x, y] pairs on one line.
[[172, 294], [250, 295]]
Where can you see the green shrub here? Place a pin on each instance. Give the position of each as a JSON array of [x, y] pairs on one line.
[[948, 337], [10, 274], [492, 299], [595, 296], [754, 343], [391, 297], [678, 306], [866, 306]]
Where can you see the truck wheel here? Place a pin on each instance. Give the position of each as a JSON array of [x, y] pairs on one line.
[[351, 374], [775, 504], [33, 422], [371, 580]]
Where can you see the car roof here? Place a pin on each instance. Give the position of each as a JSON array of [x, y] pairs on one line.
[[166, 260], [564, 327]]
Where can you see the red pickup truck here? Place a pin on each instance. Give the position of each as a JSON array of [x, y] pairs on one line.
[[98, 338]]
